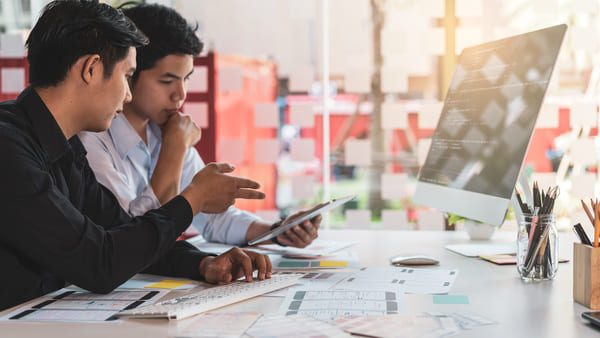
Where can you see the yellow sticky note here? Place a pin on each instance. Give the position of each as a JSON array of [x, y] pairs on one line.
[[329, 264], [167, 284]]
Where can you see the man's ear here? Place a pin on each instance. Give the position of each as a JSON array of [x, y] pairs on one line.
[[92, 67]]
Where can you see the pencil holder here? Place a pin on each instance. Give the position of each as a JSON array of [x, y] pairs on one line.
[[586, 275], [537, 247]]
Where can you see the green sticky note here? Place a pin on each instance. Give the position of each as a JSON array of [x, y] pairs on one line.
[[293, 264], [450, 299]]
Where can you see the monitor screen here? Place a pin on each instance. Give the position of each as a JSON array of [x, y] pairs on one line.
[[486, 124]]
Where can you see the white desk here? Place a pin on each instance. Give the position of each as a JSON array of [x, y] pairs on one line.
[[542, 309]]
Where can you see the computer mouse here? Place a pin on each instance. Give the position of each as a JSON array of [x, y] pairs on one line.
[[413, 260]]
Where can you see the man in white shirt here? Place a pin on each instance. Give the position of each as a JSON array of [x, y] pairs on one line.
[[147, 157]]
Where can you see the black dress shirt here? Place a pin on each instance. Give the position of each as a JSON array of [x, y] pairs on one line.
[[59, 225]]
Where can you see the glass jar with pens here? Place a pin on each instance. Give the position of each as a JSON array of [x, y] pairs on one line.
[[537, 238], [537, 247]]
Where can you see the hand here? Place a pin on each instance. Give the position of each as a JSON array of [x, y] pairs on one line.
[[301, 235], [211, 191], [180, 129], [234, 264]]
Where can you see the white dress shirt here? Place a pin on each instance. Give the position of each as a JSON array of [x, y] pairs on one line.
[[124, 164]]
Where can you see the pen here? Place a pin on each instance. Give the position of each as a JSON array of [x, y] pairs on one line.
[[578, 229]]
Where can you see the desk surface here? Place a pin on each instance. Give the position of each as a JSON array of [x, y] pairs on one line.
[[541, 309]]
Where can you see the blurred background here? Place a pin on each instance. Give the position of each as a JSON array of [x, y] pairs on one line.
[[317, 99]]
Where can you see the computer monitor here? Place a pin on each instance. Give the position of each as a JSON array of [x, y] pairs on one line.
[[486, 125]]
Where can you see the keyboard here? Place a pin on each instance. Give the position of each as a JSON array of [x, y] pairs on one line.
[[211, 298]]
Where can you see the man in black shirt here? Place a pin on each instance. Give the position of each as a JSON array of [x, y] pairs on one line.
[[58, 224]]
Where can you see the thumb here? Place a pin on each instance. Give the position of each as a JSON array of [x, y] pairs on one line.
[[224, 167]]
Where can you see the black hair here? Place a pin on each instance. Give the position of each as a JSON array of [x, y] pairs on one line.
[[168, 31], [70, 29]]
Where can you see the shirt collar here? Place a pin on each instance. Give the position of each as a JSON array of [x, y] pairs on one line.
[[45, 127], [124, 137]]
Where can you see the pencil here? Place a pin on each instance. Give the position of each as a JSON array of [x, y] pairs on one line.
[[523, 206], [596, 227], [588, 212]]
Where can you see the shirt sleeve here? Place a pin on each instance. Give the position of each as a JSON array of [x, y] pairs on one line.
[[48, 230], [228, 227], [103, 160]]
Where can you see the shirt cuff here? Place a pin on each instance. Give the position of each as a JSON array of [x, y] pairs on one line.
[[147, 200], [181, 212], [237, 234]]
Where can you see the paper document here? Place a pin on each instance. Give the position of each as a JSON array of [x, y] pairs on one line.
[[318, 247], [213, 324], [67, 305], [400, 325], [407, 280], [274, 326], [340, 260], [326, 305], [483, 249], [311, 281]]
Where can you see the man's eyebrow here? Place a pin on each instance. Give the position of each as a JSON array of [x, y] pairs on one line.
[[171, 75], [132, 70]]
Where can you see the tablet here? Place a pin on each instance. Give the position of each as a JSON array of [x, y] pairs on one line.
[[313, 212]]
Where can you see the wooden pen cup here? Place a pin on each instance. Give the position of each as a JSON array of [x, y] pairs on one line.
[[586, 275]]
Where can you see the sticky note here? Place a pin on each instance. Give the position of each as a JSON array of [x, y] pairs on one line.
[[466, 37], [393, 186], [394, 41], [302, 149], [431, 220], [450, 299], [231, 79], [358, 219], [394, 220], [548, 116], [198, 111], [266, 150], [583, 151], [583, 186], [198, 81], [394, 80], [431, 8], [583, 113], [430, 114], [12, 45], [301, 78], [393, 116], [167, 284], [271, 215], [545, 6], [436, 41], [333, 264], [302, 114], [266, 115], [13, 80], [293, 264], [303, 186], [357, 152], [357, 81], [423, 146], [584, 6], [583, 38], [231, 151], [469, 8]]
